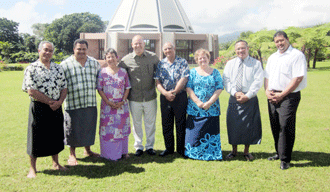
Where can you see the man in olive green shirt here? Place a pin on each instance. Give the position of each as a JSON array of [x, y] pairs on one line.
[[141, 65]]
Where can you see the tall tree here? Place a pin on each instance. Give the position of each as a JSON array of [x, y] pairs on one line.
[[316, 40], [64, 31], [9, 31], [260, 42], [39, 29], [29, 42]]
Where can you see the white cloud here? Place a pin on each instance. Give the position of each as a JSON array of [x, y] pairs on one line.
[[53, 2], [206, 16], [26, 15], [222, 17]]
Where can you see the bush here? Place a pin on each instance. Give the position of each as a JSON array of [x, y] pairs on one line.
[[24, 57], [220, 62], [11, 68], [59, 57]]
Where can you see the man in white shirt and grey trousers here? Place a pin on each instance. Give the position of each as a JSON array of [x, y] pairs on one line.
[[285, 77]]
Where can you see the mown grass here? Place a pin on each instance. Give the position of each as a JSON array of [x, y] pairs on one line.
[[309, 172]]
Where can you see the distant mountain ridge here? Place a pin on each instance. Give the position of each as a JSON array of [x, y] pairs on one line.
[[229, 37]]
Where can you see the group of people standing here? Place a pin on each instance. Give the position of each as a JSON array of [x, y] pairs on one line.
[[189, 99]]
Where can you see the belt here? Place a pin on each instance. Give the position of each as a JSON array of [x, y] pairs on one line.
[[276, 91]]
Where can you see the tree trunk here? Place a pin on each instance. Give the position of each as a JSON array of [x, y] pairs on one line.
[[314, 62], [259, 53], [309, 52], [303, 49]]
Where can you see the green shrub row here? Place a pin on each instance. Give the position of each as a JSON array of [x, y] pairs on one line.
[[11, 68]]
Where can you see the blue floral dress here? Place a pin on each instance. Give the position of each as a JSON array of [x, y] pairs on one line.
[[202, 139]]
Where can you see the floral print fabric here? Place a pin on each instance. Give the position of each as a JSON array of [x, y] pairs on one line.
[[50, 81], [114, 123], [204, 87], [208, 150], [170, 74]]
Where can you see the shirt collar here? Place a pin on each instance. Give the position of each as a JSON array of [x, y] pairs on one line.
[[166, 60], [143, 54], [288, 51], [87, 60], [39, 64], [244, 60]]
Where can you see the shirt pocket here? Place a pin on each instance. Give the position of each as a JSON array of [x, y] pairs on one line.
[[285, 69]]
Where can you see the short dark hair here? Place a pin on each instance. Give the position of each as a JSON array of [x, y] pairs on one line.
[[242, 41], [80, 41], [280, 33], [110, 50]]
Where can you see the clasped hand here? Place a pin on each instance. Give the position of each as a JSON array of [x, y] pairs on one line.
[[114, 105], [54, 105], [170, 95], [205, 105], [241, 97], [274, 97]]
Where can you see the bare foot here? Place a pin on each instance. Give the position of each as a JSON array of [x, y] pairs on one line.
[[59, 167], [248, 157], [32, 174], [125, 156], [72, 161], [91, 154]]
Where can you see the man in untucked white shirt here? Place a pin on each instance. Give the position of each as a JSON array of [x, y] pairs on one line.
[[285, 77]]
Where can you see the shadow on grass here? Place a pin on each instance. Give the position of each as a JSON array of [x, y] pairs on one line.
[[314, 159], [299, 158], [106, 168], [320, 69]]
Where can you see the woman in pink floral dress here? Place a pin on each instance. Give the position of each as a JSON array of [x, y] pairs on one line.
[[113, 87]]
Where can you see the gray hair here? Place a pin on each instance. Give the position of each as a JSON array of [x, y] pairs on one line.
[[170, 43], [41, 44]]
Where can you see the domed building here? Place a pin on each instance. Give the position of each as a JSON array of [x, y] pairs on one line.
[[158, 22]]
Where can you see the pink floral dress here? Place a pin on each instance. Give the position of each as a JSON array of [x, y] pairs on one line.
[[114, 123]]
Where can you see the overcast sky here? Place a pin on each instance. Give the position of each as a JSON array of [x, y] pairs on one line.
[[206, 16]]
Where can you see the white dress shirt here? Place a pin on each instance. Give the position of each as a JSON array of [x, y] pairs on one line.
[[282, 68], [252, 76]]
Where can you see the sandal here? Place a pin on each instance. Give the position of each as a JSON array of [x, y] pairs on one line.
[[230, 156], [248, 157]]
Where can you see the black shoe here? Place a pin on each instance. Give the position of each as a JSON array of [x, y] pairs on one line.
[[164, 153], [151, 152], [285, 165], [138, 153], [276, 157]]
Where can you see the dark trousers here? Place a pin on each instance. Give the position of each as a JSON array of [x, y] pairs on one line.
[[282, 118], [170, 111]]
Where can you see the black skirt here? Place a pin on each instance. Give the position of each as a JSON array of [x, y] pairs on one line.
[[243, 122], [45, 130]]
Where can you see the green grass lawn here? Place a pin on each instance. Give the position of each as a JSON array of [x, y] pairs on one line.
[[310, 169]]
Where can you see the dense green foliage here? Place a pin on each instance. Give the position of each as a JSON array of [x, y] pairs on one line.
[[15, 47], [313, 41], [8, 30], [64, 31]]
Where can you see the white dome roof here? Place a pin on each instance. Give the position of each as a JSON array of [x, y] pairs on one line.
[[150, 16]]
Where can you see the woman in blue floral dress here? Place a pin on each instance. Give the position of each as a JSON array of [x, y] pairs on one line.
[[204, 86]]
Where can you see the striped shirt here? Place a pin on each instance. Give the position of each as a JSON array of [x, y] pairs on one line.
[[82, 83]]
